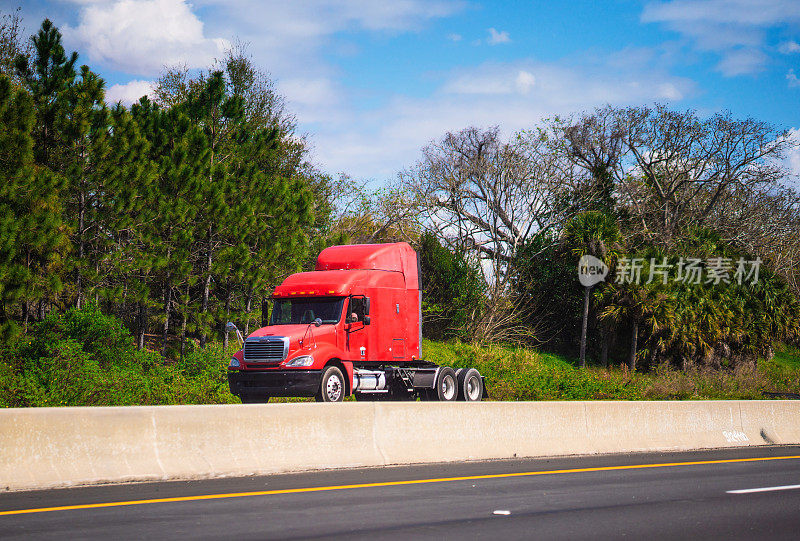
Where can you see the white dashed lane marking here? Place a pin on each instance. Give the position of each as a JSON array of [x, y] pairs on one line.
[[763, 489]]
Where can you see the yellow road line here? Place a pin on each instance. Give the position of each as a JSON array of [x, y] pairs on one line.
[[388, 484]]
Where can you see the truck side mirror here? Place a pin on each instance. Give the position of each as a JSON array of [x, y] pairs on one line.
[[366, 307], [366, 320], [231, 327]]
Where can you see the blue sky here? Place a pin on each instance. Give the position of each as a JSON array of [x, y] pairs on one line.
[[372, 82]]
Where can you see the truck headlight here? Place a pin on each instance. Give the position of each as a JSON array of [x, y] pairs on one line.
[[302, 360], [234, 363]]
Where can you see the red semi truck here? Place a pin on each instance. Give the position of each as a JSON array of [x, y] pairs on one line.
[[353, 326]]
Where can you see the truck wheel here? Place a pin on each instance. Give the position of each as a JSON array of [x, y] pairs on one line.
[[332, 387], [254, 399], [446, 385], [470, 385]]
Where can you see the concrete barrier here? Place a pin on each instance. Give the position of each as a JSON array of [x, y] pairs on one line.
[[55, 447]]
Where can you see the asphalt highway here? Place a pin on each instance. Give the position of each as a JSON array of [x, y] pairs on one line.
[[725, 494]]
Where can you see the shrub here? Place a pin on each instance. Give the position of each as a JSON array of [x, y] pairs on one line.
[[85, 358]]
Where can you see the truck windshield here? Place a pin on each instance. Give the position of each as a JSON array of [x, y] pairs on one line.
[[294, 311]]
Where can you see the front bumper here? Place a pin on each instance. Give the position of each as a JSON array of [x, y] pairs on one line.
[[275, 382]]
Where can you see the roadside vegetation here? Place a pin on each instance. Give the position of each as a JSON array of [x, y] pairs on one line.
[[519, 373], [85, 358]]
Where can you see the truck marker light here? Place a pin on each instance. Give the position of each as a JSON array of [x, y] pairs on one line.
[[331, 291]]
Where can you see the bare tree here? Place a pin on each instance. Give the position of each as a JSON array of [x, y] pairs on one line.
[[488, 197], [485, 195], [681, 168], [12, 44], [764, 222], [595, 142], [363, 215]]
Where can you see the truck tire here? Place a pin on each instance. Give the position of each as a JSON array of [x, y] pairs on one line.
[[446, 389], [332, 388], [254, 399], [470, 385]]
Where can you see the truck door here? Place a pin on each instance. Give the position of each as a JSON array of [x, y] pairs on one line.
[[356, 334]]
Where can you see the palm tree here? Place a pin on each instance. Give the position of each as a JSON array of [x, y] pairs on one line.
[[597, 234], [641, 305]]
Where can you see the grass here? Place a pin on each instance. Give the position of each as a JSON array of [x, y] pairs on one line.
[[514, 373], [787, 357]]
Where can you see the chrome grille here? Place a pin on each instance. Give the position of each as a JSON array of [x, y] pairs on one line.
[[271, 349]]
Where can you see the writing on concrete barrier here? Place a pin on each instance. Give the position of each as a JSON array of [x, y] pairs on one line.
[[734, 436]]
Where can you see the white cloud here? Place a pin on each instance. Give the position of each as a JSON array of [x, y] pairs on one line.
[[734, 29], [496, 38], [313, 99], [141, 37], [524, 82], [379, 142], [789, 47], [742, 62], [295, 39], [741, 12], [130, 92], [289, 35], [792, 159], [792, 78], [558, 84], [491, 80], [454, 37]]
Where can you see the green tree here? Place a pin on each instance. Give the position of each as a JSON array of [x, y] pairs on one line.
[[164, 261], [452, 291], [639, 305], [32, 240], [85, 131], [48, 74], [219, 116], [126, 215]]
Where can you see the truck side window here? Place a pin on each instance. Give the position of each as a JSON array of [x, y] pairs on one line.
[[356, 309]]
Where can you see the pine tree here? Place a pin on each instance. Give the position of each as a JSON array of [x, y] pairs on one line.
[[86, 132], [219, 117], [180, 154], [260, 190], [48, 75], [32, 241], [128, 175]]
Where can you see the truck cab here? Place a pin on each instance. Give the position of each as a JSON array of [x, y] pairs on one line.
[[351, 326]]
